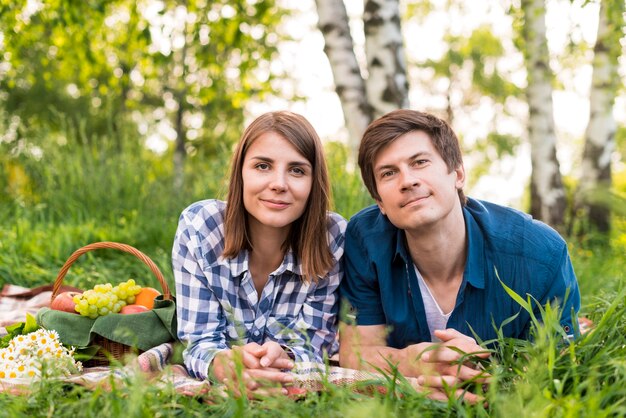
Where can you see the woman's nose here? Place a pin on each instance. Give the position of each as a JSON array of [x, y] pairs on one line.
[[279, 182]]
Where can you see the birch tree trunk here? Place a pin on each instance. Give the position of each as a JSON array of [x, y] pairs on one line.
[[349, 84], [546, 189], [600, 133], [387, 85]]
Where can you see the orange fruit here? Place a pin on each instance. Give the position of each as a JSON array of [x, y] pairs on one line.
[[146, 297]]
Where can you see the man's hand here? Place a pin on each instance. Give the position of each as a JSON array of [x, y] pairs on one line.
[[441, 363], [261, 369]]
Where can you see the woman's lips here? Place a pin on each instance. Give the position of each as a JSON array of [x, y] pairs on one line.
[[276, 204]]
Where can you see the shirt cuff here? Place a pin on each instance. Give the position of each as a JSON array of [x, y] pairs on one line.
[[198, 367], [301, 354]]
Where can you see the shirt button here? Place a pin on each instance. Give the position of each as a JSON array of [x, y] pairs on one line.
[[256, 333]]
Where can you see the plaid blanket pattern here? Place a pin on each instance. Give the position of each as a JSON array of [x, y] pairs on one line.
[[154, 365]]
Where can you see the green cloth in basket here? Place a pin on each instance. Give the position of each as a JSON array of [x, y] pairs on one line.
[[142, 330]]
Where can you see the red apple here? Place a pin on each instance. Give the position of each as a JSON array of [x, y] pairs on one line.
[[64, 302], [131, 309]]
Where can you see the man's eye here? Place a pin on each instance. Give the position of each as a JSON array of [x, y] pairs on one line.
[[386, 174]]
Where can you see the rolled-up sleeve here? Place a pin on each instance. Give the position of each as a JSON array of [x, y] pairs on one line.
[[360, 286], [564, 290], [201, 322]]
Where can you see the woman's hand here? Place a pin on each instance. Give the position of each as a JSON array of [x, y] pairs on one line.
[[262, 369]]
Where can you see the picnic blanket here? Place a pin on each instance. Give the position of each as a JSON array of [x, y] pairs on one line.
[[155, 363], [17, 301], [154, 366]]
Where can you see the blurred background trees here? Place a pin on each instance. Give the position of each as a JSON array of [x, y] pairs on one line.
[[102, 98]]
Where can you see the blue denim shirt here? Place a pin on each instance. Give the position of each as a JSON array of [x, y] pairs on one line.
[[530, 258]]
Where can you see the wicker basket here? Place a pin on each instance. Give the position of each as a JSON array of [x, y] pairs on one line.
[[109, 349]]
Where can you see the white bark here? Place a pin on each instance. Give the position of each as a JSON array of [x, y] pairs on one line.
[[600, 133], [349, 84], [387, 85], [547, 193]]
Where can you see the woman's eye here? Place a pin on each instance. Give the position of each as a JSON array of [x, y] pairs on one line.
[[262, 166], [298, 171]]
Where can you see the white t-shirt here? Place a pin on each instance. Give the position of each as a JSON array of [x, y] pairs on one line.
[[435, 317]]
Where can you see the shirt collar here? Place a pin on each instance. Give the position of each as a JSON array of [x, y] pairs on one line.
[[474, 272], [239, 264], [401, 247]]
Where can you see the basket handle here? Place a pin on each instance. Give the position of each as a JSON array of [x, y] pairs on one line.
[[167, 295]]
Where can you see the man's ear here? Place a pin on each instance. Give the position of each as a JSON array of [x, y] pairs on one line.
[[460, 176], [380, 206]]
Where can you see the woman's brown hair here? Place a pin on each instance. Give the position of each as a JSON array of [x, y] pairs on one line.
[[308, 234]]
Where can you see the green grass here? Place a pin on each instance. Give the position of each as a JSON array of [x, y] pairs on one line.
[[82, 194]]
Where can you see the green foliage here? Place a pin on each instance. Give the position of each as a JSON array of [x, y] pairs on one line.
[[349, 193], [72, 195], [19, 328], [104, 65]]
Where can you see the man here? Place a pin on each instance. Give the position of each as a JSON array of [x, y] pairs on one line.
[[426, 264]]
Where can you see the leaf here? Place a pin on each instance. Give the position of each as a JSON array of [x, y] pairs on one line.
[[19, 328], [517, 298], [15, 329], [30, 324]]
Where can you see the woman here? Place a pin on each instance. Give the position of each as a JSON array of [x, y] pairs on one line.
[[257, 275]]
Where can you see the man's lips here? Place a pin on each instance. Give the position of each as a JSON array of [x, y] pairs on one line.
[[414, 199]]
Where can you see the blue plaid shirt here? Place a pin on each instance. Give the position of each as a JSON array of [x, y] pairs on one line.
[[218, 305]]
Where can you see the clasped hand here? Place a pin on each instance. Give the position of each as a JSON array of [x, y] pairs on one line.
[[257, 369], [441, 366]]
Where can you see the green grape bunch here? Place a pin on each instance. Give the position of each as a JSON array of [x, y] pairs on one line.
[[105, 299]]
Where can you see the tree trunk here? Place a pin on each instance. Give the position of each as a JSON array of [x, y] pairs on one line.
[[179, 152], [349, 84], [600, 133], [387, 85], [547, 194], [180, 93]]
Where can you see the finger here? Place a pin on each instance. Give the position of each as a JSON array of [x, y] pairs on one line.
[[231, 387], [267, 392], [275, 353], [440, 381], [432, 393], [450, 333], [283, 363], [255, 349], [468, 397], [465, 373], [250, 360], [442, 355], [470, 373], [263, 375], [249, 381]]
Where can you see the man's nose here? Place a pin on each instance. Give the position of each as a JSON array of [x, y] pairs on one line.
[[408, 179]]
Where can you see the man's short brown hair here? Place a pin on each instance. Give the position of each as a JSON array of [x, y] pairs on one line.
[[386, 129]]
